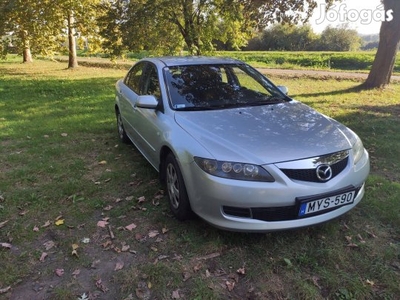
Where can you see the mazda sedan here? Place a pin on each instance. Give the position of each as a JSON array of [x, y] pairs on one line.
[[234, 149]]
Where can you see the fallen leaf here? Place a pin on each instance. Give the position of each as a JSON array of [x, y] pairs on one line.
[[241, 271], [208, 274], [371, 283], [3, 223], [46, 224], [129, 198], [5, 290], [103, 162], [83, 297], [59, 272], [118, 266], [74, 250], [164, 230], [153, 233], [102, 224], [230, 285], [48, 245], [64, 134], [197, 267], [130, 227], [76, 273], [59, 222], [175, 294], [6, 245], [101, 286], [315, 280], [186, 276], [35, 228], [86, 240], [43, 256], [361, 239], [138, 236], [107, 243], [371, 234], [125, 248], [23, 213], [209, 256], [108, 207], [141, 199]]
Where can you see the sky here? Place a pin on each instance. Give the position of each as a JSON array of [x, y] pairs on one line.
[[364, 16]]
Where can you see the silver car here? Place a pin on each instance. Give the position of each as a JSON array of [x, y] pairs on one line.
[[234, 149]]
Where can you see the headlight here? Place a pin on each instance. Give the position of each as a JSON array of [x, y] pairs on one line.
[[234, 170], [358, 150]]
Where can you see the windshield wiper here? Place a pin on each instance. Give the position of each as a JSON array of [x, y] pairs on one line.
[[195, 108]]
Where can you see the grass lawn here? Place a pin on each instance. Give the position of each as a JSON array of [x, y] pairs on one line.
[[82, 214]]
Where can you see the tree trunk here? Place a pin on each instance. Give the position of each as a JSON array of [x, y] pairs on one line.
[[72, 58], [26, 55], [389, 42]]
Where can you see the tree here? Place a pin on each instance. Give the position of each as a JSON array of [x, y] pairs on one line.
[[339, 39], [287, 37], [37, 26], [199, 24], [79, 18], [389, 42], [25, 26]]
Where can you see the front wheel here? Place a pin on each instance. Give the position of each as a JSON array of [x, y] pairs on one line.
[[177, 195]]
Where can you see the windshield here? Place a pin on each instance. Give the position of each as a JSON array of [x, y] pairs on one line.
[[202, 87]]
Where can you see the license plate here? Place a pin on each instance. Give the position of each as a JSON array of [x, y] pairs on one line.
[[326, 203]]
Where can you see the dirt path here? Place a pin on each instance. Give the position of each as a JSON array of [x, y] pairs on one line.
[[267, 71], [319, 74]]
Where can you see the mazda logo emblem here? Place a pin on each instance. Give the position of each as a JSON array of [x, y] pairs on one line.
[[324, 172]]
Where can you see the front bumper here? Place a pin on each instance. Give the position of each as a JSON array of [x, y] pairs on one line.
[[210, 197]]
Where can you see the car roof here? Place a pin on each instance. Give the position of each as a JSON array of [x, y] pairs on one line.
[[191, 60]]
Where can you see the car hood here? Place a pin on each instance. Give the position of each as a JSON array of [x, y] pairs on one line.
[[265, 134]]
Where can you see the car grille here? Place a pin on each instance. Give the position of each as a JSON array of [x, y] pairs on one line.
[[311, 174], [268, 214]]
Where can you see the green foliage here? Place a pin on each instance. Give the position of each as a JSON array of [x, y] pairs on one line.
[[286, 37], [313, 60], [169, 26], [339, 39], [302, 38]]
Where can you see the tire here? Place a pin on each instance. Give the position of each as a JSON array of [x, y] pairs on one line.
[[176, 190], [121, 130]]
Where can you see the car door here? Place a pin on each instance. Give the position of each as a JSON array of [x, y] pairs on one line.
[[129, 92], [150, 123]]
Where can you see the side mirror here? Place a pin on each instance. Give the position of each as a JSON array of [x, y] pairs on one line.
[[283, 89], [147, 101]]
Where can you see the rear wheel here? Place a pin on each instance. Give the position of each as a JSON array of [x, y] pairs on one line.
[[121, 130], [175, 186]]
